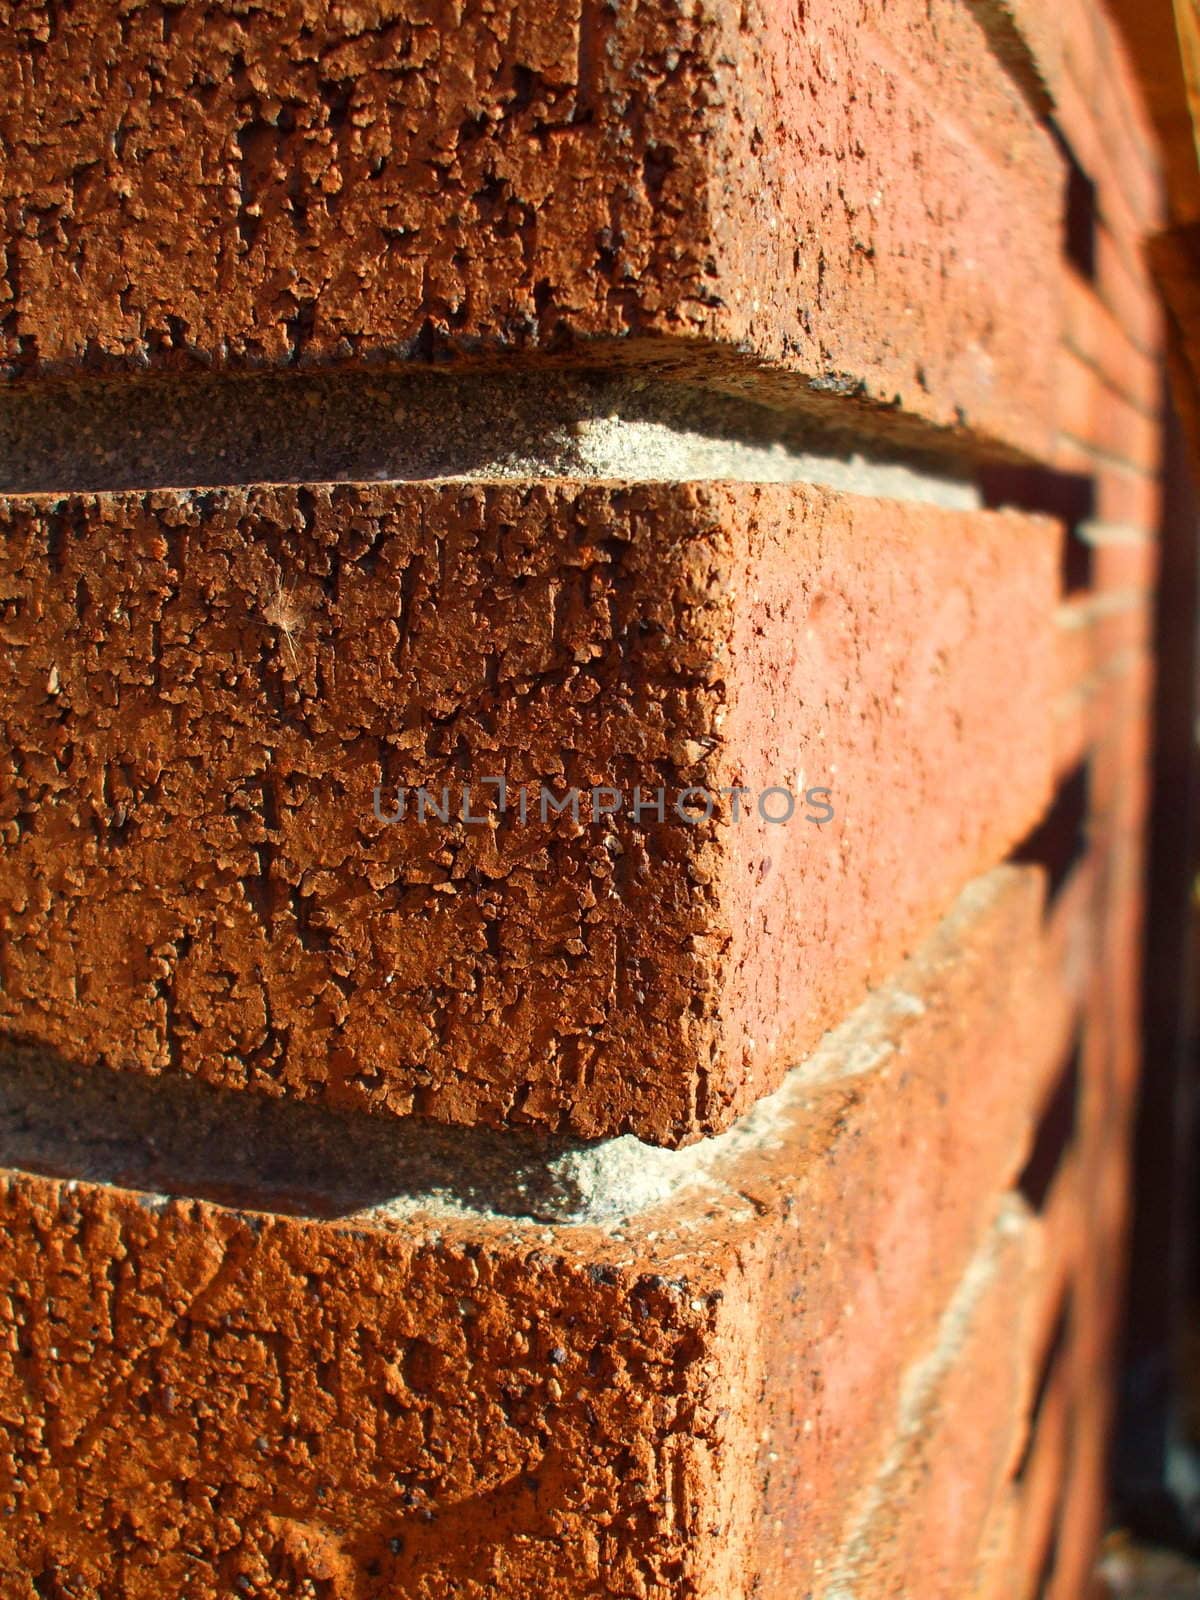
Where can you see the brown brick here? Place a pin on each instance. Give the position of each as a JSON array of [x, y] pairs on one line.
[[210, 686], [204, 1398], [371, 182]]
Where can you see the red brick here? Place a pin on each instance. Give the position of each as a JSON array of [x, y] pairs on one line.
[[998, 1554], [196, 1393], [1085, 1501], [1126, 497], [1099, 630], [801, 1359], [1063, 1239], [1091, 1234], [1041, 1492], [1120, 767], [1080, 48], [931, 1186], [1099, 636], [1084, 713], [1122, 561], [1070, 455], [1097, 118], [1071, 728], [1029, 38], [1119, 980], [1100, 1280], [195, 879], [1127, 128], [1070, 945], [1031, 1505], [1063, 1491], [1095, 414], [922, 1527], [1076, 661], [374, 183], [1124, 285], [1097, 337]]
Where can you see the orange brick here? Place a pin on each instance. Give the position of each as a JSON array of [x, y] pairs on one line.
[[1127, 497], [1076, 21], [1070, 938], [1076, 661], [1124, 285], [205, 1397], [1084, 1509], [1120, 767], [1028, 37], [1041, 1491], [1121, 561], [1129, 186], [374, 184], [1098, 416], [1072, 718], [1127, 130], [1097, 336], [197, 880], [923, 1522]]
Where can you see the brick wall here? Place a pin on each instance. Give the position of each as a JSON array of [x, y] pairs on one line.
[[753, 403]]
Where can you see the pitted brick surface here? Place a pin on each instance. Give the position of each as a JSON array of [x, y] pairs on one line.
[[214, 1401], [210, 686], [281, 1348], [855, 194]]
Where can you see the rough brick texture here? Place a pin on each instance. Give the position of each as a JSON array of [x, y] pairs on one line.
[[858, 1346], [311, 182], [210, 686], [204, 1399]]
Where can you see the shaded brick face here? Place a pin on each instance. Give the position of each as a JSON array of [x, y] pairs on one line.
[[212, 687]]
